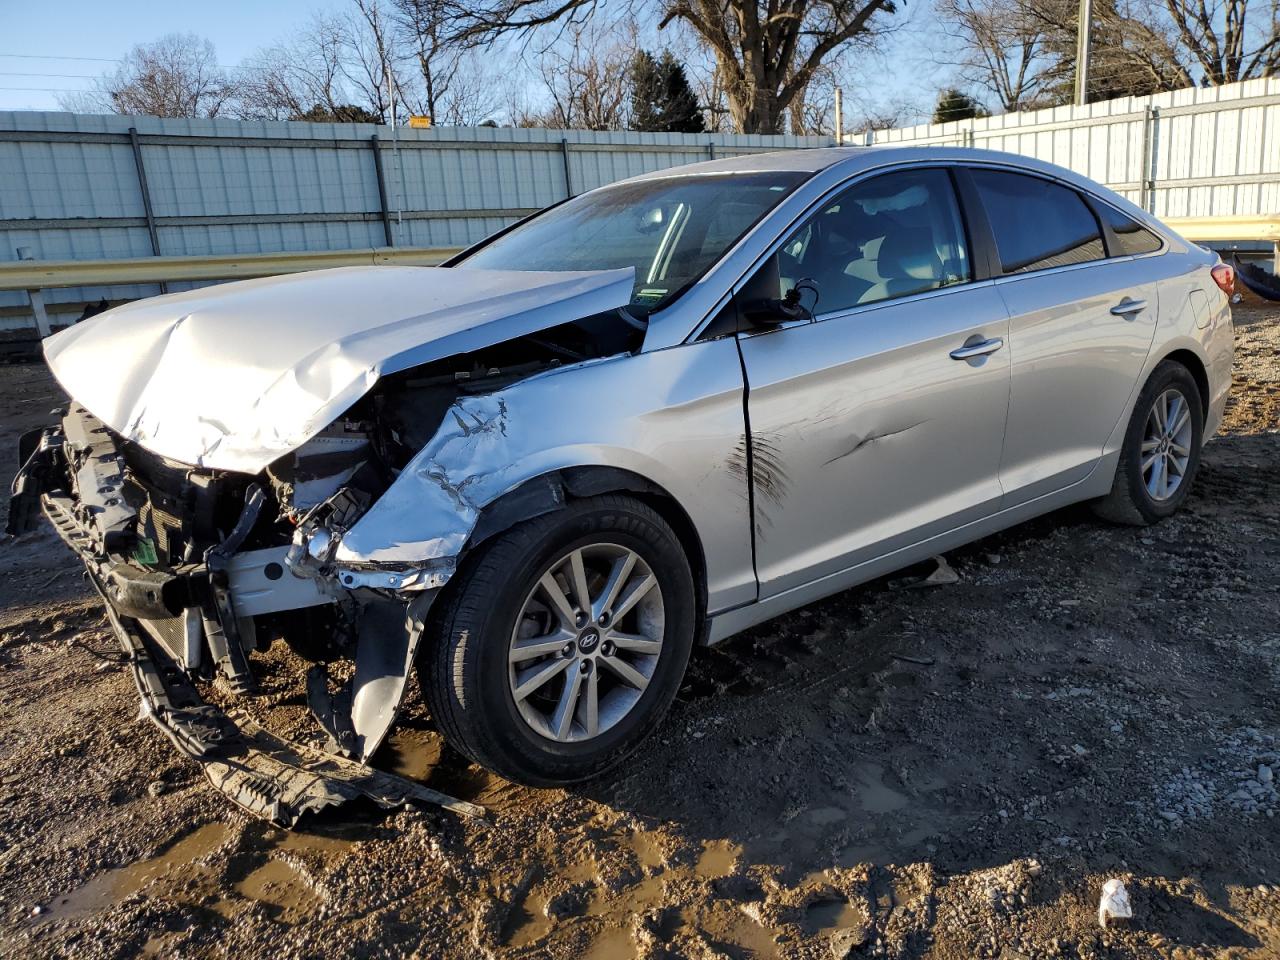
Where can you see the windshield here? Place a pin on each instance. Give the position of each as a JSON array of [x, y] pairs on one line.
[[671, 230]]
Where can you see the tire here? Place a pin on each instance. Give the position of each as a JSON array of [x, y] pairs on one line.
[[464, 670], [1132, 500]]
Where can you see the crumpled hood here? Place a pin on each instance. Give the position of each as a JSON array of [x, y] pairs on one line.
[[234, 376]]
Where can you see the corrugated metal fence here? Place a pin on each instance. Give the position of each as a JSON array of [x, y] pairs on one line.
[[1211, 152], [106, 187], [78, 187]]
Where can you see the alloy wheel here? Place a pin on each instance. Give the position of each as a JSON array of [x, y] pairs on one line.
[[586, 642], [1166, 445]]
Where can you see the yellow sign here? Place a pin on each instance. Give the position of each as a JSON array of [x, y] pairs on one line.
[[420, 123]]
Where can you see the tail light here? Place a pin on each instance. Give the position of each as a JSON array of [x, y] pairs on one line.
[[1225, 277]]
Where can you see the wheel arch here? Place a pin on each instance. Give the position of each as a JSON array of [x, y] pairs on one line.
[[549, 492], [1199, 372]]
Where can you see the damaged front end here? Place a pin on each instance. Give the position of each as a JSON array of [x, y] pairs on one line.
[[190, 565], [337, 548]]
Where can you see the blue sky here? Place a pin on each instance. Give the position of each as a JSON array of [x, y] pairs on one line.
[[108, 28], [30, 32]]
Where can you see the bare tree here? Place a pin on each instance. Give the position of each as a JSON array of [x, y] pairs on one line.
[[374, 57], [438, 61], [289, 80], [1230, 40], [474, 97], [359, 63], [767, 52], [1024, 51], [812, 111], [770, 52], [176, 76], [897, 112], [339, 65], [586, 72], [1000, 47], [1132, 53]]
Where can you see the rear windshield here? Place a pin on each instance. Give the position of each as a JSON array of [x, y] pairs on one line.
[[671, 230]]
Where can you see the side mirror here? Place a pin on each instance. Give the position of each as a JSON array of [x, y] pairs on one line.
[[768, 312], [771, 311]]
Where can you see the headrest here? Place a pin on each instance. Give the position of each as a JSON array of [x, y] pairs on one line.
[[909, 253]]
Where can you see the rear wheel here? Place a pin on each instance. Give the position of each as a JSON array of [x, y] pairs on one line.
[[1161, 451], [561, 643]]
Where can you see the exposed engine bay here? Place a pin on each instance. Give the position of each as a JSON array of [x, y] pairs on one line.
[[367, 446]]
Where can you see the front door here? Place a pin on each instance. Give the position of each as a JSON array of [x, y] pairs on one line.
[[880, 422]]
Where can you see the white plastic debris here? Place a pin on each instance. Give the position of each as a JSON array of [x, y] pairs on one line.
[[1114, 904], [942, 575]]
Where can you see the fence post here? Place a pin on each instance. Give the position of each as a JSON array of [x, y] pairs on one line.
[[43, 327], [146, 197], [568, 181], [382, 190], [711, 149], [1150, 157]]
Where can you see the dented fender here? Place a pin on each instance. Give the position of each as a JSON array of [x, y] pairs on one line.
[[673, 417]]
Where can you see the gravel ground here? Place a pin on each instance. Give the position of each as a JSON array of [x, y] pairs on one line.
[[947, 773]]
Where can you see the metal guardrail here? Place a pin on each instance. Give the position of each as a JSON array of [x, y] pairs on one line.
[[1265, 229], [44, 274], [1225, 229]]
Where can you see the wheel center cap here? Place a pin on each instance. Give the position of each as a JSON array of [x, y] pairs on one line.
[[588, 641]]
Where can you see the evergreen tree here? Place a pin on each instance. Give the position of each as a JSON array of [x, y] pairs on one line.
[[661, 99], [681, 111], [342, 113], [646, 93], [955, 104]]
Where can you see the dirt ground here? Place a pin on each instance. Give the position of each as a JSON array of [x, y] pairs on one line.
[[947, 773]]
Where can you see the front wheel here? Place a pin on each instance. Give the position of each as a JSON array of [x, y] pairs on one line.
[[561, 643], [1161, 451]]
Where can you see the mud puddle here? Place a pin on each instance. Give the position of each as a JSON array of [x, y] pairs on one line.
[[205, 869], [823, 916], [179, 861]]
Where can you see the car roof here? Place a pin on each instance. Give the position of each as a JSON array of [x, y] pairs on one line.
[[853, 159]]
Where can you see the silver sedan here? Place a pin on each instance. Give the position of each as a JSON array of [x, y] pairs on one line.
[[649, 417]]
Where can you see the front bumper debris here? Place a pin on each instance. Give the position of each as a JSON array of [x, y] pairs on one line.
[[269, 777], [181, 619]]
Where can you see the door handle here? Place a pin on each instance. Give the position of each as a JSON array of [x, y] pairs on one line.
[[1127, 307], [980, 349]]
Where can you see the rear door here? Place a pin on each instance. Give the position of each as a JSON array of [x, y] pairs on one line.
[[1082, 320], [870, 429]]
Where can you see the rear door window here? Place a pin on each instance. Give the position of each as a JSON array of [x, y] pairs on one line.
[[1132, 238], [1037, 224]]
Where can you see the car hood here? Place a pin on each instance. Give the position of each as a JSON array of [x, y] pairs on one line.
[[232, 377]]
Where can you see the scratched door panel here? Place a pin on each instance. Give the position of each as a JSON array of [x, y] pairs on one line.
[[867, 436]]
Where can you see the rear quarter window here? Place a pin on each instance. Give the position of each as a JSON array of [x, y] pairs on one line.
[[1037, 224], [1131, 237]]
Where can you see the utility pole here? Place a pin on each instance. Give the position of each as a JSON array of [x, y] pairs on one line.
[[1082, 52], [839, 117]]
